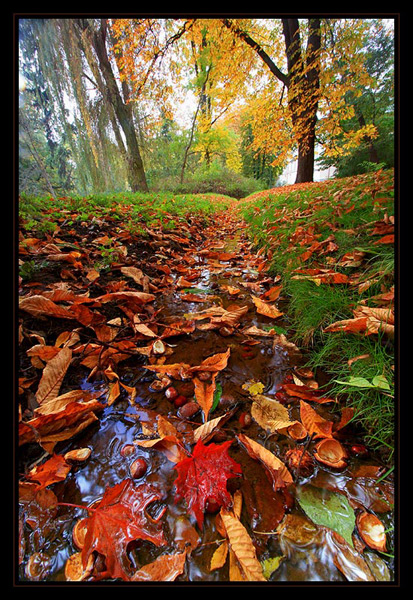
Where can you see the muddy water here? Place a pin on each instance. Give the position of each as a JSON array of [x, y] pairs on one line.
[[305, 560]]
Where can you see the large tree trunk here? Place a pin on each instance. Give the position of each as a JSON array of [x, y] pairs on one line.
[[304, 84], [136, 172]]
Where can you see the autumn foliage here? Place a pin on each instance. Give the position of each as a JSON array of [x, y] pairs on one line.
[[167, 418]]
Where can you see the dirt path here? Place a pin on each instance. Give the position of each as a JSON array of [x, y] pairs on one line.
[[212, 290]]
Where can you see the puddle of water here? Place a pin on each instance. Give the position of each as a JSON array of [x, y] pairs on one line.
[[121, 423]]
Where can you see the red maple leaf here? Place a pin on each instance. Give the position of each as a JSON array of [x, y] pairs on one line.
[[118, 519], [203, 477]]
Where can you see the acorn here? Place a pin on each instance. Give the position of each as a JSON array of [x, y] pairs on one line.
[[171, 393], [359, 450], [204, 375], [127, 450], [157, 385], [297, 431], [245, 419], [138, 468], [158, 347], [79, 532], [188, 410], [180, 401]]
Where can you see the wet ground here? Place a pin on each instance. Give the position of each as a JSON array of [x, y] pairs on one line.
[[46, 536]]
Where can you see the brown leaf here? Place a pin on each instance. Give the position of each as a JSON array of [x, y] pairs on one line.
[[134, 273], [242, 546], [277, 469], [54, 469], [315, 425], [306, 393], [204, 394], [53, 375], [140, 297], [214, 363], [39, 306], [166, 567], [268, 310]]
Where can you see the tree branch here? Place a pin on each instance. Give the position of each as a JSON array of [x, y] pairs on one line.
[[260, 51]]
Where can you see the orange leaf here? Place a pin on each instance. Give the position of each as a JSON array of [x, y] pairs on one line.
[[268, 310], [39, 306], [53, 375], [352, 325], [166, 567], [204, 394], [54, 469], [306, 393], [315, 425], [214, 363]]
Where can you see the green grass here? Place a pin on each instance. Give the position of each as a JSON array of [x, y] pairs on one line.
[[133, 211], [346, 212]]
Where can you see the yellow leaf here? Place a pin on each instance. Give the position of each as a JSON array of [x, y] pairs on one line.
[[253, 387], [270, 414]]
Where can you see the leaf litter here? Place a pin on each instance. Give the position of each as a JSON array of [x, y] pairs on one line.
[[121, 367]]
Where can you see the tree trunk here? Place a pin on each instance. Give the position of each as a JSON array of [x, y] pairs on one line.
[[136, 173], [304, 84]]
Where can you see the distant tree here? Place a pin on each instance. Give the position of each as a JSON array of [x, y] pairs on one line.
[[372, 105]]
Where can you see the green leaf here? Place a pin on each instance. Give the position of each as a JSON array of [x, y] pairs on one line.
[[381, 382], [356, 382], [329, 509], [217, 396]]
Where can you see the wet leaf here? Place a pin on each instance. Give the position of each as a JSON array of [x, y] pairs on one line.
[[214, 363], [253, 387], [270, 414], [203, 476], [329, 509], [204, 394], [53, 470], [242, 546], [166, 567], [268, 310], [116, 520], [279, 473], [306, 393], [269, 565], [39, 306], [53, 375], [314, 423]]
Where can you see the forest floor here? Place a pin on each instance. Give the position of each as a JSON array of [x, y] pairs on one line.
[[171, 426]]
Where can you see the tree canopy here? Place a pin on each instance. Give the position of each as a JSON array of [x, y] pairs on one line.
[[103, 99]]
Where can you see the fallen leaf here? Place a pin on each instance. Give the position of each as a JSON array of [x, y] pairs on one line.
[[314, 424], [117, 519], [270, 414], [214, 363], [166, 567], [204, 394], [268, 310], [329, 509], [276, 468], [39, 306], [306, 393], [53, 375], [51, 471], [242, 546], [203, 476]]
